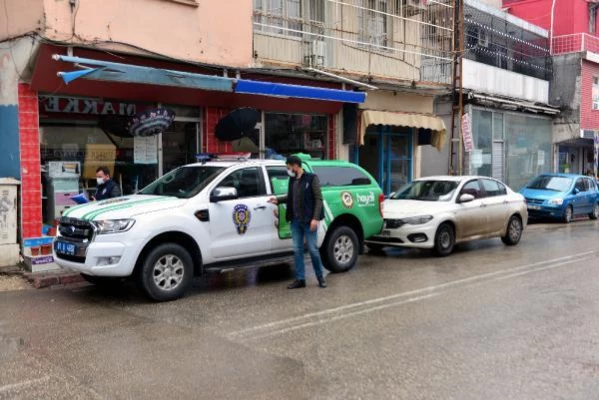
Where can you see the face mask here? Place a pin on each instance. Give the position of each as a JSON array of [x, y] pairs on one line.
[[291, 173], [100, 180]]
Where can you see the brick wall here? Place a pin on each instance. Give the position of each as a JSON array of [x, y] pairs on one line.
[[31, 188], [210, 144], [589, 118]]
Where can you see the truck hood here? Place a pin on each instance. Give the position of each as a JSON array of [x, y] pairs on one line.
[[123, 207], [397, 209]]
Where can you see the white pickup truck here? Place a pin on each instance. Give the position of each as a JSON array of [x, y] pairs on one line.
[[211, 215]]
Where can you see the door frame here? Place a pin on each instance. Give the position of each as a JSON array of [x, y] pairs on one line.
[[383, 134]]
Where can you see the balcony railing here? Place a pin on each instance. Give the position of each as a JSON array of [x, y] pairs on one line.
[[394, 43], [574, 43]]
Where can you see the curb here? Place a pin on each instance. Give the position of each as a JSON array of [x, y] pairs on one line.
[[44, 280]]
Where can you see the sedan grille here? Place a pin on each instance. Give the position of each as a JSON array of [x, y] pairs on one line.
[[76, 228]]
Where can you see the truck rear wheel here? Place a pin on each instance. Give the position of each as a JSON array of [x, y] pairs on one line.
[[340, 250], [166, 272]]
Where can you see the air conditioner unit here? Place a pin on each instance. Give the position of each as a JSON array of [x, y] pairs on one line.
[[417, 4], [316, 53]]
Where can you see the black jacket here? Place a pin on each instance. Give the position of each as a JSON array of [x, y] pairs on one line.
[[310, 196], [107, 190]]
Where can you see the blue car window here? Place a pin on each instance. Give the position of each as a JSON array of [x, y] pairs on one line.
[[554, 183]]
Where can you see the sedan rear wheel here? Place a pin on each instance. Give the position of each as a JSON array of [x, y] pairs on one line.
[[514, 231]]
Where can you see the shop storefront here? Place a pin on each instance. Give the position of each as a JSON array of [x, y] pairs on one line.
[[67, 131], [393, 129], [510, 146]]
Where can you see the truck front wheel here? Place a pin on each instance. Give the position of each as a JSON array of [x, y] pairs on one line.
[[340, 249], [166, 272]]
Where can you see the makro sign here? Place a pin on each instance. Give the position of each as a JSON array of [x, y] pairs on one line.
[[82, 106], [365, 200]]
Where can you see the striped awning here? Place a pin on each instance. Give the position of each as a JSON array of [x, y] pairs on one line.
[[410, 120]]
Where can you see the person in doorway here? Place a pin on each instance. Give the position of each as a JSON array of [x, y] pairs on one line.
[[107, 188], [304, 213]]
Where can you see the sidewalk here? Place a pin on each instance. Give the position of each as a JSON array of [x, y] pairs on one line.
[[15, 278]]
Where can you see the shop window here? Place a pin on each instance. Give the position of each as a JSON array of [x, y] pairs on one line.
[[340, 176], [287, 134]]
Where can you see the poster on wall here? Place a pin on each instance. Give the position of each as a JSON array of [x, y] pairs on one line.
[[541, 158], [98, 155], [145, 150], [467, 133]]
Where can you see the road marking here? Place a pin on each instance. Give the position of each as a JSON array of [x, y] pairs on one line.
[[24, 384], [279, 327]]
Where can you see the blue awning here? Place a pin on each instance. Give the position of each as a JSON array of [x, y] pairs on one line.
[[109, 71], [297, 91]]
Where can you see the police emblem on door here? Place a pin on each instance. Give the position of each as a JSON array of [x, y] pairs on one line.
[[241, 218]]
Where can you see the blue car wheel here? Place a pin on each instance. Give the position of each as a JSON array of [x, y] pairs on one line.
[[568, 214]]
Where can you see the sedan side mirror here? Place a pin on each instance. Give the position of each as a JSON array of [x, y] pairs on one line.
[[222, 194], [466, 198]]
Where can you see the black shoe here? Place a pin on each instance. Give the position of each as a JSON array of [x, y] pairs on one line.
[[297, 284], [322, 283]]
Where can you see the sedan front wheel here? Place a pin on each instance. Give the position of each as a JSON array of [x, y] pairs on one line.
[[444, 240]]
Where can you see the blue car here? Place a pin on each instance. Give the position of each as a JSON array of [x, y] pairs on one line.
[[562, 196]]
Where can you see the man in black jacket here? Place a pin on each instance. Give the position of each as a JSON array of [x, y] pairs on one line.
[[107, 188], [304, 213]]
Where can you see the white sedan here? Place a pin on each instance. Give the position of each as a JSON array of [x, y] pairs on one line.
[[438, 212]]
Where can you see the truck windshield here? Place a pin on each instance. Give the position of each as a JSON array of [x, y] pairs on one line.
[[184, 182], [554, 183], [427, 191]]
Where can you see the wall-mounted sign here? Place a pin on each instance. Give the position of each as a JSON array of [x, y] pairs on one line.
[[83, 106], [467, 133]]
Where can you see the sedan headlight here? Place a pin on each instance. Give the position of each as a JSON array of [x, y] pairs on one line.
[[114, 225], [556, 202], [423, 219]]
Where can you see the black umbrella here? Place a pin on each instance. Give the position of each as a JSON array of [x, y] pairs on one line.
[[116, 125], [237, 124], [151, 122]]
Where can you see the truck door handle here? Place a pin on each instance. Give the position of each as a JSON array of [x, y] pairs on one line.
[[259, 208]]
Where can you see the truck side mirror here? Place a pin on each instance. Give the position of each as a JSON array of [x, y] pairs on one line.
[[222, 194]]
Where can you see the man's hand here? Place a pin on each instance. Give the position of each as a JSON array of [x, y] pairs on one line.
[[313, 225], [273, 200]]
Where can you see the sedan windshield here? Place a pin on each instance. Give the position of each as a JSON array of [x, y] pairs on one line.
[[184, 182], [555, 183], [427, 191]]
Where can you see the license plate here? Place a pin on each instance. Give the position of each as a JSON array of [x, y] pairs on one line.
[[65, 248], [386, 233], [534, 207]]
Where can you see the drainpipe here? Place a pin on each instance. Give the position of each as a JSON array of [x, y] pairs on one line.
[[551, 28]]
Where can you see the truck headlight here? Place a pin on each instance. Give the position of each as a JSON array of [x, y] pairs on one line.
[[114, 225], [556, 202], [423, 219]]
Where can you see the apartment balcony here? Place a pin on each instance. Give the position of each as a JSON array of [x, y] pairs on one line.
[[396, 41], [575, 43]]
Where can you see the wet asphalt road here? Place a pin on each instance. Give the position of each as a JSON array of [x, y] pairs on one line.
[[489, 322]]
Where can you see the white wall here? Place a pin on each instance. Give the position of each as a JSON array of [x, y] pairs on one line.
[[496, 81]]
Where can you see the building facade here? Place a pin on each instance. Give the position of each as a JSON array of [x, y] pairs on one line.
[[72, 75], [575, 84], [506, 72]]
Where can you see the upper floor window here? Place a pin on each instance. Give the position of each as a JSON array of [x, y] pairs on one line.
[[282, 17], [372, 21], [592, 18]]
